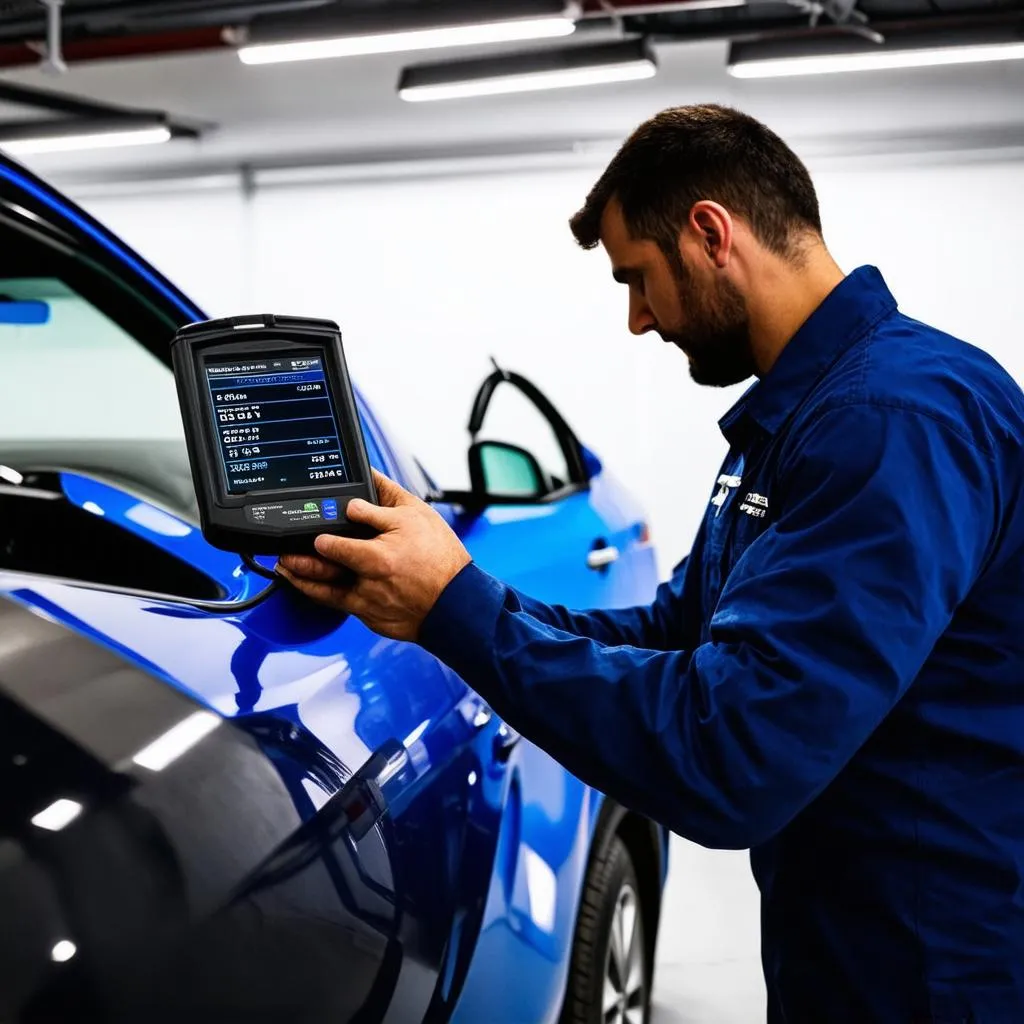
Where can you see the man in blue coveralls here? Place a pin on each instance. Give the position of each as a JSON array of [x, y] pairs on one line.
[[835, 676]]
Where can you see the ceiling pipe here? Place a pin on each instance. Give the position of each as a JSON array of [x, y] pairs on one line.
[[751, 29], [98, 18], [630, 8], [638, 17], [53, 61]]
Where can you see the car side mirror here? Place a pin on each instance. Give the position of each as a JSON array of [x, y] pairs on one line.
[[499, 470]]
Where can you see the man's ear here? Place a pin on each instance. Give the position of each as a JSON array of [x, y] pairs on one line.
[[713, 225]]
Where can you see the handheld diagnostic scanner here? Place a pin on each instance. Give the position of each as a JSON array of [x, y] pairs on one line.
[[274, 439]]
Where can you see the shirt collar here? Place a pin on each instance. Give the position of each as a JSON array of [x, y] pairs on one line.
[[849, 312]]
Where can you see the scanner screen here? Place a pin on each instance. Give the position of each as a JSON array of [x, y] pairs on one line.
[[276, 423]]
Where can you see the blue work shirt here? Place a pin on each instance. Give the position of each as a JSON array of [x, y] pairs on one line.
[[833, 678]]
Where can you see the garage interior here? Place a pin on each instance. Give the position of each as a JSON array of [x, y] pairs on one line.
[[435, 233]]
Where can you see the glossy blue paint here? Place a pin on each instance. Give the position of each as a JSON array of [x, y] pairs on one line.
[[489, 851]]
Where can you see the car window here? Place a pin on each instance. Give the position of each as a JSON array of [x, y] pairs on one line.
[[79, 375], [514, 419]]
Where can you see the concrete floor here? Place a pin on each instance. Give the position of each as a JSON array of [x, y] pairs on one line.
[[709, 968]]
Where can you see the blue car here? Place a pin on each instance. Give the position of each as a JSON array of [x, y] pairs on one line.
[[221, 803]]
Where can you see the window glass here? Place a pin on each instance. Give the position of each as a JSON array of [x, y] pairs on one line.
[[79, 375], [514, 419]]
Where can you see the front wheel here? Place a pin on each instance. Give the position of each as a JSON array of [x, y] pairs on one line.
[[609, 970]]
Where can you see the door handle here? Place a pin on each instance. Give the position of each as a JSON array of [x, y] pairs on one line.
[[601, 558]]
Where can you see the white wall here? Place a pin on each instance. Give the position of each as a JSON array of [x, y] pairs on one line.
[[429, 278]]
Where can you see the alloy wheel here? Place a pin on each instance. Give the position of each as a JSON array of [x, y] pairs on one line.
[[623, 1000]]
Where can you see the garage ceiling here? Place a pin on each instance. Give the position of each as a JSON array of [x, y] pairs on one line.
[[108, 28], [178, 56]]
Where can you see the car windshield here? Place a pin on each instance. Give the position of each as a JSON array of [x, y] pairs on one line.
[[78, 375], [80, 389]]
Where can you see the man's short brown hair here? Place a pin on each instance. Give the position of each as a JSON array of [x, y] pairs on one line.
[[687, 154]]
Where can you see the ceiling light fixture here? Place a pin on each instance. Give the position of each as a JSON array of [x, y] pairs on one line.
[[29, 145], [512, 31], [784, 59], [519, 73]]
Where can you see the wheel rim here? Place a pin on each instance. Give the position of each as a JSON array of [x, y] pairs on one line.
[[623, 1001]]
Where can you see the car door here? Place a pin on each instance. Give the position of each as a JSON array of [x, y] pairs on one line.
[[92, 465], [542, 513]]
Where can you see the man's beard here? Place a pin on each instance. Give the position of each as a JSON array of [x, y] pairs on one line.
[[716, 337]]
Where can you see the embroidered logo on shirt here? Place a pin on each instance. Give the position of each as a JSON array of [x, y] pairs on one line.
[[755, 505], [726, 483]]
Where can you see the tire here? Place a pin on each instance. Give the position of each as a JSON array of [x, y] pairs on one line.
[[609, 978]]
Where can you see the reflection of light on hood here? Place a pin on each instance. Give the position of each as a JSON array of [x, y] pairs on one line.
[[415, 734], [91, 506], [153, 519], [63, 951], [11, 476], [541, 888], [58, 815], [166, 749]]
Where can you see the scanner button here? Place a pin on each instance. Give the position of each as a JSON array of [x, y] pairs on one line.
[[329, 509]]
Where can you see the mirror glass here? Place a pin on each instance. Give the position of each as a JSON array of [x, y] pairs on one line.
[[509, 471]]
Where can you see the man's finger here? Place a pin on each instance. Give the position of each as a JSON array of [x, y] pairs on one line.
[[380, 518], [323, 593], [363, 557], [310, 567], [390, 494]]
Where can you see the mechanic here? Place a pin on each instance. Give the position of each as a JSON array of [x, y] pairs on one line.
[[834, 677]]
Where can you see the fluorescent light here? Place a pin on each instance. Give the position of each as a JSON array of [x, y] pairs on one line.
[[879, 60], [58, 815], [537, 81], [63, 951], [517, 30], [86, 140], [176, 741], [563, 68], [674, 7]]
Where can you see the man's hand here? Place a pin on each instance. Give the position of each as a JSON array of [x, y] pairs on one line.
[[400, 574]]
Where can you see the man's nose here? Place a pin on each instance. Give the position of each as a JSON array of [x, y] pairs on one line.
[[641, 320]]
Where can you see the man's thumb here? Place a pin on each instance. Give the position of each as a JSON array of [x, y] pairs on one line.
[[390, 494], [378, 517]]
